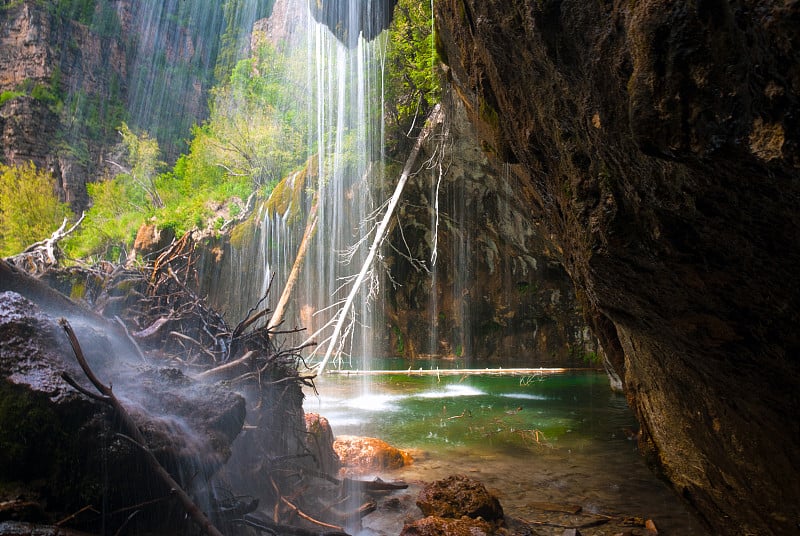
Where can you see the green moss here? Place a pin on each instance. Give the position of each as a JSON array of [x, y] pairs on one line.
[[6, 96], [244, 233], [288, 193], [78, 291], [400, 346], [30, 431]]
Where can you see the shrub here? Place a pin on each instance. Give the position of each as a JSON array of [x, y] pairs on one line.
[[29, 207]]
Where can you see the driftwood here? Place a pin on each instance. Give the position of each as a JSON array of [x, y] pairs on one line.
[[134, 435]]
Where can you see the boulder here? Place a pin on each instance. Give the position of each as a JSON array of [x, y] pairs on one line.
[[368, 454], [458, 496], [62, 446], [319, 442]]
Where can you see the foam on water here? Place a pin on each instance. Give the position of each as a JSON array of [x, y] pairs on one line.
[[451, 391], [525, 396]]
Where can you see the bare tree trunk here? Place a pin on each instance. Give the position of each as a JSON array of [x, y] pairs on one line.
[[434, 119], [277, 315]]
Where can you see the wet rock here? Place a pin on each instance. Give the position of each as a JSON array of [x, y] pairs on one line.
[[16, 528], [63, 447], [667, 179], [439, 526], [458, 496], [319, 442], [368, 454]]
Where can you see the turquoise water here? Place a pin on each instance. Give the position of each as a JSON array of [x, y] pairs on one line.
[[564, 438]]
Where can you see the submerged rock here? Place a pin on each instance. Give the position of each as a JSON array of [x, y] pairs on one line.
[[458, 496], [439, 526]]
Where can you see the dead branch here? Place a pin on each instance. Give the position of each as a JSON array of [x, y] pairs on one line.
[[271, 527], [307, 517], [40, 256], [311, 226], [136, 436], [433, 120], [226, 367]]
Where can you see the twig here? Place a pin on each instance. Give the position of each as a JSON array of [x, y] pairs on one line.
[[76, 514], [307, 517]]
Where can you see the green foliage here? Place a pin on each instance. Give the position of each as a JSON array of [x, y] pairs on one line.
[[29, 208], [118, 210], [258, 127], [6, 96], [49, 93], [414, 79], [143, 158]]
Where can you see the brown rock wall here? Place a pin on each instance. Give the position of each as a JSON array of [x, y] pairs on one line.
[[658, 140]]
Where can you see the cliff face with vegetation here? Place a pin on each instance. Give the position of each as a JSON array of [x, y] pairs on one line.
[[49, 67], [496, 292], [72, 71], [659, 142]]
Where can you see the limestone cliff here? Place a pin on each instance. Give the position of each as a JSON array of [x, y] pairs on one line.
[[659, 142]]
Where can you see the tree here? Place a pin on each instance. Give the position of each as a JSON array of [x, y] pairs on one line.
[[143, 154], [29, 207]]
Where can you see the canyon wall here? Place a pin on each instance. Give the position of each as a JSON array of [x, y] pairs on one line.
[[70, 73], [659, 143], [496, 292]]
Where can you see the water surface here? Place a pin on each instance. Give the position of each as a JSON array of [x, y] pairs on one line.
[[562, 438]]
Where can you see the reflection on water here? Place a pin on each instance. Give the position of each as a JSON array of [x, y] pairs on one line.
[[563, 438]]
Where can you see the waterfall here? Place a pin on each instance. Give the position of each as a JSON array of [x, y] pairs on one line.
[[180, 50], [342, 98]]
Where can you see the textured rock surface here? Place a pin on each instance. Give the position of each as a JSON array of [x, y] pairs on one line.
[[659, 141], [459, 496], [319, 443], [56, 443], [368, 454], [498, 292]]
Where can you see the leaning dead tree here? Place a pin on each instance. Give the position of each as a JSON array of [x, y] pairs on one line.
[[335, 341]]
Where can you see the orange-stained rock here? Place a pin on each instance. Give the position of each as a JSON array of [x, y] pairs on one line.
[[365, 454], [319, 442]]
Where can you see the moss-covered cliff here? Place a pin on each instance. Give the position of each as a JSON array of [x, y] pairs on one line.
[[659, 140]]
